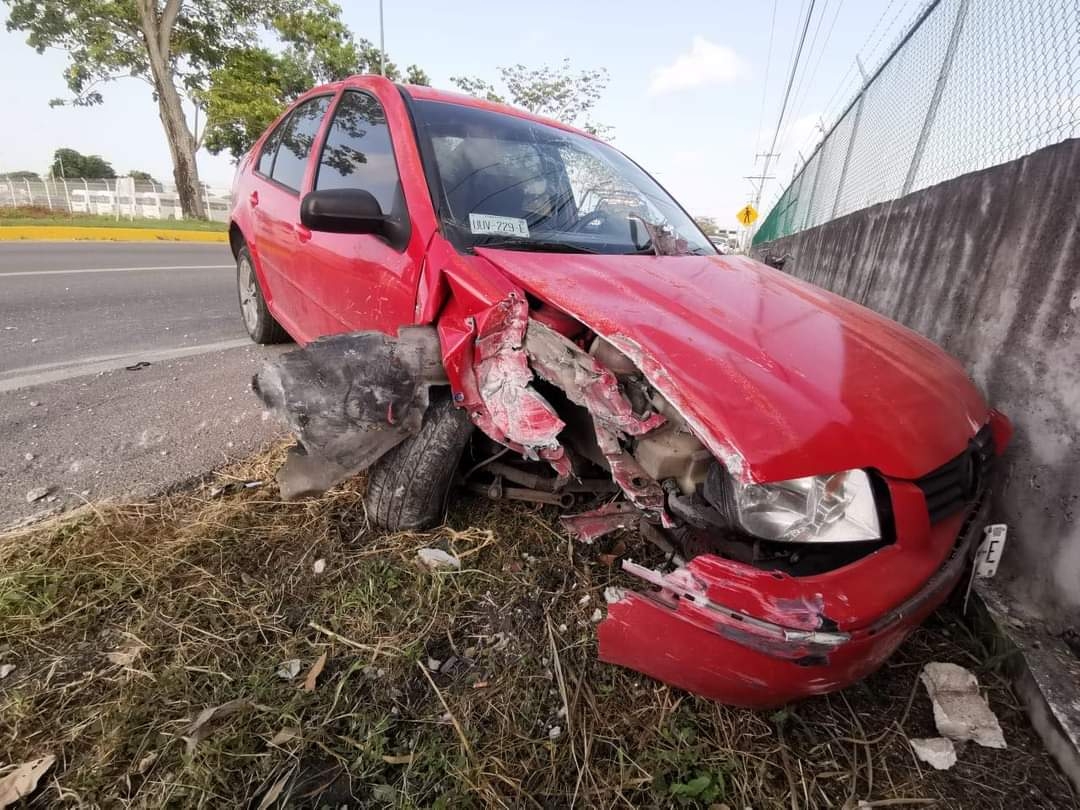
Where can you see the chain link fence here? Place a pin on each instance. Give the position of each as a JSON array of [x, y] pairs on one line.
[[971, 84], [121, 197]]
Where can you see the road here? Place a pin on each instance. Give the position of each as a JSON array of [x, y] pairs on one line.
[[74, 316]]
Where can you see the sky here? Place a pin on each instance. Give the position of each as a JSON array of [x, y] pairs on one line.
[[694, 94]]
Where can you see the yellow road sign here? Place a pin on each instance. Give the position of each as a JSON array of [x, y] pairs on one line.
[[747, 214]]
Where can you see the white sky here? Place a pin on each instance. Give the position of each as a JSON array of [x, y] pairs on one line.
[[685, 96]]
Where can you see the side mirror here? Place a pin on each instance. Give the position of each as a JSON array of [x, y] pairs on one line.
[[350, 210]]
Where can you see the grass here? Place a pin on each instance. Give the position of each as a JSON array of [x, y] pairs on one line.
[[126, 621], [39, 215]]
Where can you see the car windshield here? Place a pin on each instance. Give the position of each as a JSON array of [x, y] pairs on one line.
[[513, 183]]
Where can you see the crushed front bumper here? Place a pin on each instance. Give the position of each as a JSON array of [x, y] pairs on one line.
[[748, 637]]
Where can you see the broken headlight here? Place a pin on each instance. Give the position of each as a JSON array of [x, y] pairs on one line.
[[821, 508]]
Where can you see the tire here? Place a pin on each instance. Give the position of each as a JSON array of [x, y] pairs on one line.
[[261, 326], [408, 488]]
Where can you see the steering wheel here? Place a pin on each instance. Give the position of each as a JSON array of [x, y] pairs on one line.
[[585, 220]]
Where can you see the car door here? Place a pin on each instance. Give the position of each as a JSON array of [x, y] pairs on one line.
[[280, 174], [359, 282]]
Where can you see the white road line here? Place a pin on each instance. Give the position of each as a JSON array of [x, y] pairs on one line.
[[115, 270], [47, 373]]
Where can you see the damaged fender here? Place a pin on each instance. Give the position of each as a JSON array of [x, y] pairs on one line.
[[349, 399]]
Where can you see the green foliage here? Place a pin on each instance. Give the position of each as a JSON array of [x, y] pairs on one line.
[[21, 175], [557, 92], [251, 88], [141, 176], [105, 39], [71, 163]]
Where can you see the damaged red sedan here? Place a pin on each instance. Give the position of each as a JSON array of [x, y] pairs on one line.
[[501, 302]]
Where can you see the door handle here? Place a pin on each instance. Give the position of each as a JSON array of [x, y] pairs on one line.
[[303, 232], [254, 199]]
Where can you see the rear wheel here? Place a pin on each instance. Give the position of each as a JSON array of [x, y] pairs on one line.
[[408, 487], [260, 324]]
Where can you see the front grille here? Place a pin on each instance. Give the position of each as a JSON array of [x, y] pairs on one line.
[[955, 484]]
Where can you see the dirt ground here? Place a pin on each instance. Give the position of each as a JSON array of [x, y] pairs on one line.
[[127, 625]]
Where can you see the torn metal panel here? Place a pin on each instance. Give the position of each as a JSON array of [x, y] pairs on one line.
[[640, 489], [590, 526], [588, 383], [517, 411], [488, 339], [349, 399], [585, 380]]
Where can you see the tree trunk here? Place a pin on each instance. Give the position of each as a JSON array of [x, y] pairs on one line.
[[157, 32], [182, 148]]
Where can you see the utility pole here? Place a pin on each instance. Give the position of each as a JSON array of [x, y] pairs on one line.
[[382, 43], [758, 182]]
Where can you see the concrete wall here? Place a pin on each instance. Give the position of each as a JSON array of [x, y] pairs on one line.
[[988, 266]]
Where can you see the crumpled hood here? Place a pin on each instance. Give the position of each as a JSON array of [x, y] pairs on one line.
[[779, 378]]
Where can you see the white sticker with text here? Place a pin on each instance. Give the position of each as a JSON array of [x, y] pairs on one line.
[[505, 226]]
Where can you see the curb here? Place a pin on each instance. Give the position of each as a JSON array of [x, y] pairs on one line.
[[106, 234], [1044, 673]]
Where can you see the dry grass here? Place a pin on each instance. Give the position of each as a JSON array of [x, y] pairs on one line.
[[203, 597]]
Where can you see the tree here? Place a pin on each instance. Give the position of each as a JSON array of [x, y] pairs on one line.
[[21, 175], [70, 163], [172, 45], [708, 226], [253, 85], [557, 92], [142, 177]]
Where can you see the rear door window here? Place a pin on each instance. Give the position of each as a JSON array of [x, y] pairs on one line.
[[358, 152], [270, 145], [296, 142]]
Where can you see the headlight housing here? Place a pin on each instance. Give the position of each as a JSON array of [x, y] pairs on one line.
[[817, 509]]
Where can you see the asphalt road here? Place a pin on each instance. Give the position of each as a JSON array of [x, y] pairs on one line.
[[73, 418]]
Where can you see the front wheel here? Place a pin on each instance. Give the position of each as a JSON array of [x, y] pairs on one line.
[[409, 486], [261, 326]]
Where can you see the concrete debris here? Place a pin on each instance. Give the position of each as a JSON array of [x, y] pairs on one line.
[[318, 567], [28, 456], [36, 494], [289, 669], [436, 559], [434, 664], [938, 752], [5, 670], [960, 712], [554, 732], [597, 616]]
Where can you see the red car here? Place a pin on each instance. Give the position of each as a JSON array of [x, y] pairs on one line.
[[495, 299]]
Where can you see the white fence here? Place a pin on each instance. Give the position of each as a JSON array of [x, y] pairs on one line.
[[122, 197]]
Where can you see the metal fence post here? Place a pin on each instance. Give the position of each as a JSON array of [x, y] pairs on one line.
[[48, 196], [813, 194], [851, 139], [935, 100], [29, 191], [67, 195]]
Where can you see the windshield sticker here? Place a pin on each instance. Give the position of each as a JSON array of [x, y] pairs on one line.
[[504, 226]]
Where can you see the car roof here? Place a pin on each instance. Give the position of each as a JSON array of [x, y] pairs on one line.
[[423, 92]]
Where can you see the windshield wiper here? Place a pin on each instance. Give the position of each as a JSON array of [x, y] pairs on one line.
[[534, 245]]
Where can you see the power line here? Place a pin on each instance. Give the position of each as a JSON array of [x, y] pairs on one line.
[[800, 102], [802, 78], [765, 86], [784, 104]]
